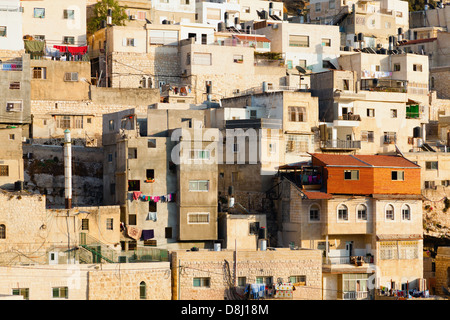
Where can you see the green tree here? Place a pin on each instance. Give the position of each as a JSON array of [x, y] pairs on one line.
[[419, 5], [100, 13]]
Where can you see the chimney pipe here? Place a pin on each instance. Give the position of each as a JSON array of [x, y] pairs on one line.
[[68, 169]]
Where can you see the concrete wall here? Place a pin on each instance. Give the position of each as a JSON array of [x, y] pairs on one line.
[[55, 87], [279, 264], [11, 18], [11, 156], [442, 269]]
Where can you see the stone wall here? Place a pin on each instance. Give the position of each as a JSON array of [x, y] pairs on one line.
[[89, 281], [442, 269], [220, 268]]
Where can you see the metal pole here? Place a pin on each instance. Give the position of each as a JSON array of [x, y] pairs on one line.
[[68, 169]]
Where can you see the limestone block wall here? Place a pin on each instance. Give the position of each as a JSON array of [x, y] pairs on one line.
[[442, 269], [89, 281], [221, 267], [22, 215], [122, 281]]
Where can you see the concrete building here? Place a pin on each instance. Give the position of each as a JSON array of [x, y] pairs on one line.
[[225, 274], [216, 12], [367, 116], [364, 212], [371, 22], [312, 47], [204, 70], [442, 270], [56, 23], [253, 10], [15, 90], [11, 25], [153, 178], [11, 162]]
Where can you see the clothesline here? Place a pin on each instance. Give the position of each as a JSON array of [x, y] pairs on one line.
[[170, 197]]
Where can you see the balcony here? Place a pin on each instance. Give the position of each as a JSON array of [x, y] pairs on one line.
[[265, 123], [340, 144], [384, 85], [352, 260]]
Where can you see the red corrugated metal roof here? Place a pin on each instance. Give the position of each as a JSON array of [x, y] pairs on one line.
[[316, 195], [418, 41], [251, 38], [364, 160]]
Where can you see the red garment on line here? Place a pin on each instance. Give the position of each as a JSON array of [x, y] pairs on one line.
[[73, 50]]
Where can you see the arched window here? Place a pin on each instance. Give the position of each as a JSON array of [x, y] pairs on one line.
[[342, 213], [389, 212], [314, 213], [406, 212], [362, 212], [142, 291], [2, 231]]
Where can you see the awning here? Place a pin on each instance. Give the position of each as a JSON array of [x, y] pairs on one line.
[[251, 38], [390, 237]]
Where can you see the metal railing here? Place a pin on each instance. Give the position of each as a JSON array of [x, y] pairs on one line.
[[344, 260], [356, 295], [340, 144]]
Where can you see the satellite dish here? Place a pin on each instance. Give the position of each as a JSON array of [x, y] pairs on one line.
[[300, 69]]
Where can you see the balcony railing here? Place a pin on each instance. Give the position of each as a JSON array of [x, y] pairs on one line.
[[340, 144], [356, 295], [346, 260]]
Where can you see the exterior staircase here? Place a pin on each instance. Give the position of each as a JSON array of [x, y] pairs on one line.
[[94, 251]]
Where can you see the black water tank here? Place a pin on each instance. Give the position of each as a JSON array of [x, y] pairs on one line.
[[18, 185]]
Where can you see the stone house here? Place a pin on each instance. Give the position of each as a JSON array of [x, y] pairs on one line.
[[355, 207], [225, 274], [163, 184]]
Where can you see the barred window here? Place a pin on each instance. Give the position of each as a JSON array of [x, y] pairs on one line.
[[198, 217], [61, 292], [389, 212], [408, 250], [4, 170], [2, 231], [297, 143], [388, 250], [84, 224], [202, 282], [298, 41]]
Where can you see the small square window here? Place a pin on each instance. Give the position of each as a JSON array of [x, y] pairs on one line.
[[351, 174], [39, 13], [109, 224], [2, 31]]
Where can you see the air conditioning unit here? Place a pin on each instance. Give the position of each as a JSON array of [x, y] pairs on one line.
[[133, 17]]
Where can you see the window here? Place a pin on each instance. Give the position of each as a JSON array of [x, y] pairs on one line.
[[198, 185], [141, 15], [367, 136], [397, 175], [406, 212], [132, 219], [132, 153], [168, 232], [198, 217], [2, 31], [396, 66], [25, 292], [389, 213], [326, 42], [14, 106], [39, 13], [430, 185], [371, 113], [69, 14], [134, 185], [129, 42], [204, 38], [417, 67], [111, 125], [150, 174], [242, 281], [266, 280], [200, 58], [71, 76], [431, 165], [298, 280], [362, 212], [200, 154], [85, 224], [298, 41], [12, 137], [253, 228], [346, 84], [393, 113], [314, 213], [351, 174], [4, 170], [331, 4], [61, 292], [342, 213], [142, 290], [151, 143], [236, 148], [39, 73], [202, 282], [318, 6], [14, 85], [238, 58], [297, 114], [150, 243], [2, 231], [302, 63], [109, 223], [69, 40], [390, 137]]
